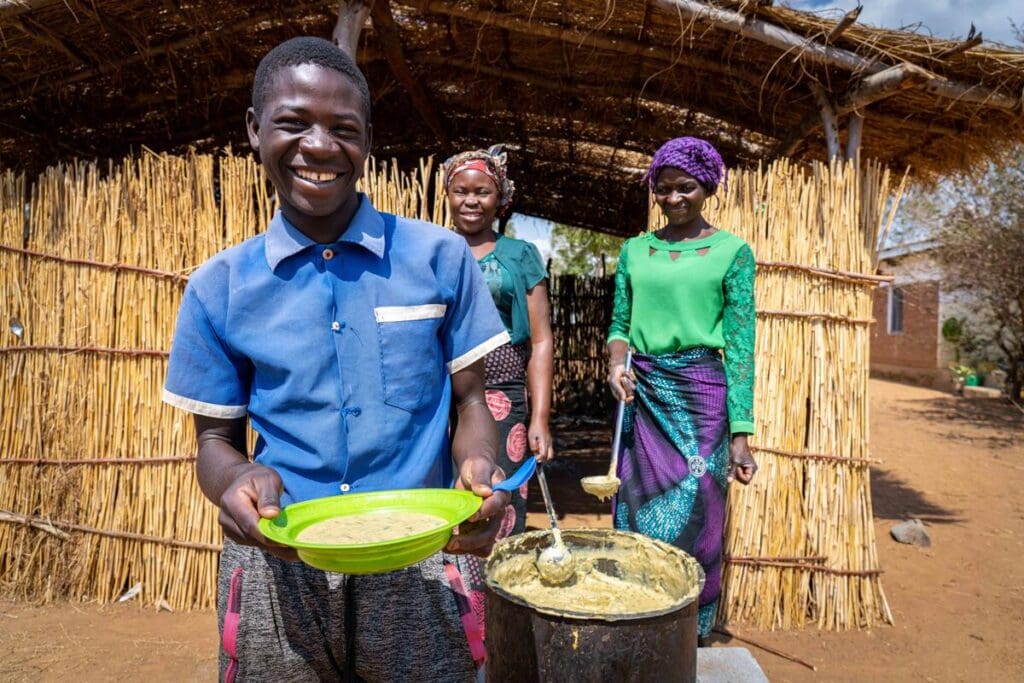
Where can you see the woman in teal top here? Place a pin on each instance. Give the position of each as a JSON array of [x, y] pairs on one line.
[[479, 192], [683, 296]]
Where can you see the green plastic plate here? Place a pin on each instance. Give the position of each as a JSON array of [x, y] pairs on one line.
[[452, 505]]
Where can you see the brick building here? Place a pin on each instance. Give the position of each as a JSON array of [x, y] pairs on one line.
[[906, 340]]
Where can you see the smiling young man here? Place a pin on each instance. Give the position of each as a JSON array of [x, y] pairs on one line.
[[344, 335]]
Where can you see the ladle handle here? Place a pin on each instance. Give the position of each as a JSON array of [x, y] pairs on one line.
[[619, 412], [543, 481]]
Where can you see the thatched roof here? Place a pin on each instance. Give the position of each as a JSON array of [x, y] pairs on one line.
[[581, 91]]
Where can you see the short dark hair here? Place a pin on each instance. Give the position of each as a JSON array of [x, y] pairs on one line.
[[307, 50]]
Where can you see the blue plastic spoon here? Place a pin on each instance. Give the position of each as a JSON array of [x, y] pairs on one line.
[[521, 476]]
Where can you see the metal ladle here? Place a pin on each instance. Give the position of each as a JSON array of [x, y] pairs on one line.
[[556, 564], [604, 487]]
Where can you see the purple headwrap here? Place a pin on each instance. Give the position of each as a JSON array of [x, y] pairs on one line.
[[691, 155]]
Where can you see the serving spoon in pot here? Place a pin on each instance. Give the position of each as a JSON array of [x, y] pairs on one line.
[[555, 564]]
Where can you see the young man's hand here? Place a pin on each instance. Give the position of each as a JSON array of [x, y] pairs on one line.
[[243, 490], [476, 536], [474, 443], [254, 493]]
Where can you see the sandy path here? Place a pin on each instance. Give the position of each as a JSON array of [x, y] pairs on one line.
[[959, 606]]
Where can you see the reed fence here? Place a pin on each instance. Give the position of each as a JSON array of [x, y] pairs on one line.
[[800, 545], [97, 490]]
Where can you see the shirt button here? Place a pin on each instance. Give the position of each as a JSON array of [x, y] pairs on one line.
[[335, 326], [345, 488], [328, 254]]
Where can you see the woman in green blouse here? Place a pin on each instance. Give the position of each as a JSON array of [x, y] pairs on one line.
[[684, 295], [479, 193]]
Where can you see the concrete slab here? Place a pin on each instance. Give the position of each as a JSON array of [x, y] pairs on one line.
[[982, 392], [728, 665]]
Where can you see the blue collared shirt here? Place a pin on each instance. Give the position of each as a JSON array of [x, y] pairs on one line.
[[340, 354]]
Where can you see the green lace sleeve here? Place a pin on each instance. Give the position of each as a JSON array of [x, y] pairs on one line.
[[738, 328], [622, 305]]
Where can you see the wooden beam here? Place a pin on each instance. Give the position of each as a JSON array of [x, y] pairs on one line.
[[351, 19], [825, 55], [846, 22], [827, 110], [764, 32], [854, 133], [390, 39], [883, 84], [973, 39]]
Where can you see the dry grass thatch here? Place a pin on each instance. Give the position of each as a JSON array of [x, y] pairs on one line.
[[96, 483], [582, 91]]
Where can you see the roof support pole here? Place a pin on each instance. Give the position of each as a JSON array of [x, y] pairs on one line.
[[870, 89], [351, 18], [854, 133], [829, 120]]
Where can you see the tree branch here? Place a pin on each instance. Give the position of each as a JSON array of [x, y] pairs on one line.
[[846, 22], [972, 40]]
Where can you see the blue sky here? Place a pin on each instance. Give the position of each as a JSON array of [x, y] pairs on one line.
[[536, 230], [945, 18]]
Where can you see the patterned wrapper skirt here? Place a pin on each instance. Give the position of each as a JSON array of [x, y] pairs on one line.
[[505, 376], [674, 460]]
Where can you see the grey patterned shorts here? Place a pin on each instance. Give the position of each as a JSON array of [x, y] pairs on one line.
[[285, 621]]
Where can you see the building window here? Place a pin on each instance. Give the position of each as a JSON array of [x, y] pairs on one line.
[[895, 310]]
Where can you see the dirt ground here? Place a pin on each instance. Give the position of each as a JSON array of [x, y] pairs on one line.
[[957, 465]]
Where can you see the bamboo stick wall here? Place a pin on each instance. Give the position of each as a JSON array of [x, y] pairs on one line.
[[97, 490]]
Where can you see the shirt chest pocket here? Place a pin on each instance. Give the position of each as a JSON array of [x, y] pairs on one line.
[[411, 364]]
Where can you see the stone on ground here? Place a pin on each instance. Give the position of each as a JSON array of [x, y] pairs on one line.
[[912, 532]]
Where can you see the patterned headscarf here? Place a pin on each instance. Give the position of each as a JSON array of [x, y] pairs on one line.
[[492, 162], [691, 155]]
